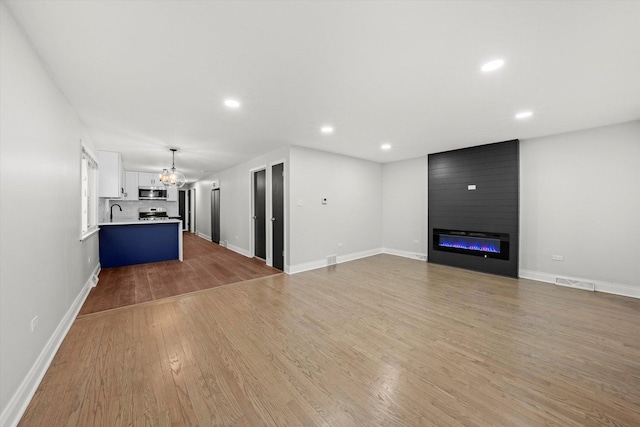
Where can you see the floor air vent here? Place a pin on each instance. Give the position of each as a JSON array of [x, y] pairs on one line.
[[577, 284]]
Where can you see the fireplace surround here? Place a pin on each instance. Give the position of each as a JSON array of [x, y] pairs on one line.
[[473, 203]]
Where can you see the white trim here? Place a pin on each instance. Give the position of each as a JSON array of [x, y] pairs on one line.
[[22, 397], [180, 231], [299, 268], [357, 255], [252, 210], [89, 233], [285, 212], [606, 287], [312, 265], [239, 250], [405, 254], [228, 245], [618, 289], [94, 276], [537, 276], [204, 236]]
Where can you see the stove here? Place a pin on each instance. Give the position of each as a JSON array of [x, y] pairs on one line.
[[152, 214]]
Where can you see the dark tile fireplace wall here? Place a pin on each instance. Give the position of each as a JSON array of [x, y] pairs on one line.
[[492, 207]]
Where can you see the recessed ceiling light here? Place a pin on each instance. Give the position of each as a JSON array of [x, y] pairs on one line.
[[492, 65], [524, 115], [232, 103], [386, 147], [326, 129]]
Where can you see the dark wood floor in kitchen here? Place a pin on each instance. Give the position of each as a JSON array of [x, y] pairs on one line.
[[206, 265]]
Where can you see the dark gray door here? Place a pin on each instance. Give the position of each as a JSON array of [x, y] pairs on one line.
[[259, 213], [215, 215], [277, 219], [182, 208]]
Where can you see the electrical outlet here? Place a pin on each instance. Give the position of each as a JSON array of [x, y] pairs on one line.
[[34, 323]]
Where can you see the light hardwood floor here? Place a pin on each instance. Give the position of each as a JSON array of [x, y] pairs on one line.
[[378, 341]]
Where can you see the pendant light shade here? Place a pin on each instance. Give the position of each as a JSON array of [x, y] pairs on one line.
[[173, 177]]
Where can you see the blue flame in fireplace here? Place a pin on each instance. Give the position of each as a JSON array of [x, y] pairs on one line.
[[470, 243]]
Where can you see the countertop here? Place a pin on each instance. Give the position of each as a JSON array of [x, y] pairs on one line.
[[125, 222]]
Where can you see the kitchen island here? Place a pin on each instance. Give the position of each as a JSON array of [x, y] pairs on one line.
[[139, 242]]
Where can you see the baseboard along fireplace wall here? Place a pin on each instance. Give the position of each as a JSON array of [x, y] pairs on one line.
[[474, 208]]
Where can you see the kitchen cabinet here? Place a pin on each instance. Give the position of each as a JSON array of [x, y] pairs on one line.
[[130, 185], [149, 179], [110, 175], [142, 242], [172, 194]]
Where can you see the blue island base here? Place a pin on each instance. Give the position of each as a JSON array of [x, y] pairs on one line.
[[130, 244]]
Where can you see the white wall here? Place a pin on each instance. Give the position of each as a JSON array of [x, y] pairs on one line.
[[236, 202], [580, 198], [353, 213], [43, 264], [404, 207]]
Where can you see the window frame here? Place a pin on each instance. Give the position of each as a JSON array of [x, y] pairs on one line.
[[88, 194]]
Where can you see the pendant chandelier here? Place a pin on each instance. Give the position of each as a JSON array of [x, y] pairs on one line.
[[173, 177]]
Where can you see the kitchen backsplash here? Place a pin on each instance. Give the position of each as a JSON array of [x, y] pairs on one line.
[[130, 208]]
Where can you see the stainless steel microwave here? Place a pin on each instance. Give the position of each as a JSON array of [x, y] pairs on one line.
[[152, 193]]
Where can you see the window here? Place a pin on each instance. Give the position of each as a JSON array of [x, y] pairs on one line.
[[89, 197]]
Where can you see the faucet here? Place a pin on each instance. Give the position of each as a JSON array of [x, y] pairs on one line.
[[111, 216]]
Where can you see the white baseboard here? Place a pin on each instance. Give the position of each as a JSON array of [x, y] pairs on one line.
[[606, 287], [228, 245], [204, 236], [537, 276], [405, 254], [312, 265], [239, 250], [94, 276], [20, 400]]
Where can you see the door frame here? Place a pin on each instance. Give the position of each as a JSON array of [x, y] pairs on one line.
[[285, 213], [213, 191], [252, 228], [269, 211], [187, 209], [192, 220]]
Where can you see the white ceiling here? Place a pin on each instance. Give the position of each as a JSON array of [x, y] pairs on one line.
[[148, 75]]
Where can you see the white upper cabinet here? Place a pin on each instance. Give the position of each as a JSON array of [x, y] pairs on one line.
[[172, 194], [149, 179], [110, 175], [131, 185]]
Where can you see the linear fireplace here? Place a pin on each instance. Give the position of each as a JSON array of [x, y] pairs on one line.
[[473, 201], [487, 245]]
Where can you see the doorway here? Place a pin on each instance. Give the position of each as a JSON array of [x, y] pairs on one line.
[[277, 215], [259, 214], [192, 221], [183, 208], [215, 215]]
